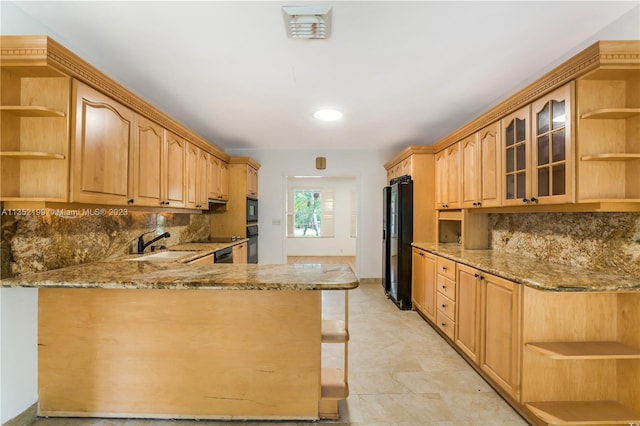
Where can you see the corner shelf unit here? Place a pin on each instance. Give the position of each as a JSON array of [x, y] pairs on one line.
[[334, 381], [584, 412]]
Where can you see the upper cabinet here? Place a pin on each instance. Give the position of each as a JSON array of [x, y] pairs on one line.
[[64, 141], [252, 181], [147, 160], [102, 148], [448, 169], [481, 168], [218, 179], [552, 153], [34, 134], [608, 134], [516, 147]]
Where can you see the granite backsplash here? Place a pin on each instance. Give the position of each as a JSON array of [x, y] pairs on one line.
[[40, 242], [597, 241]]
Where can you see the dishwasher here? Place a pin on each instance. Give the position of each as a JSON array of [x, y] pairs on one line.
[[224, 255]]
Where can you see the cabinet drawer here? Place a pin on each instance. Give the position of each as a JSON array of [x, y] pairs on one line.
[[444, 323], [446, 287], [447, 268], [446, 305]]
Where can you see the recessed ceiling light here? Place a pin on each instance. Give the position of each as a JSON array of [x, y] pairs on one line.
[[328, 114]]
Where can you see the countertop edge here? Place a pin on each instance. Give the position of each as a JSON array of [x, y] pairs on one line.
[[601, 281]]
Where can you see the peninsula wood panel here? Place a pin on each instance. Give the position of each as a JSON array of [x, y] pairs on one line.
[[179, 354]]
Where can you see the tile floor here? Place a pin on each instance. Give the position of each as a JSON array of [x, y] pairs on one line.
[[401, 372]]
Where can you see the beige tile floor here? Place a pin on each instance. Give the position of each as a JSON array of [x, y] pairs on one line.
[[401, 372]]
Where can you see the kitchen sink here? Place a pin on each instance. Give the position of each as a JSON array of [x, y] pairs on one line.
[[164, 256]]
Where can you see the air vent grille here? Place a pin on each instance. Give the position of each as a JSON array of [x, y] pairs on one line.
[[309, 22]]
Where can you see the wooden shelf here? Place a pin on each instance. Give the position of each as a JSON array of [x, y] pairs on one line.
[[611, 157], [334, 331], [333, 384], [608, 113], [31, 111], [585, 350], [583, 412], [24, 155]]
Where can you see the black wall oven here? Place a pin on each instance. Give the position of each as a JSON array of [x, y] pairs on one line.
[[252, 249], [252, 210]]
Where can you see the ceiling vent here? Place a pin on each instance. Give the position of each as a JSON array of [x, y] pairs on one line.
[[307, 21]]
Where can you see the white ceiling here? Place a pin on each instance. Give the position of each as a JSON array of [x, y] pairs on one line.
[[402, 72]]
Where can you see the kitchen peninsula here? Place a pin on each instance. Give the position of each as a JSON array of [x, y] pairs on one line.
[[168, 339]]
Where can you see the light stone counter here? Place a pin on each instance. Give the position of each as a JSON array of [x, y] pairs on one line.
[[176, 274], [533, 272]]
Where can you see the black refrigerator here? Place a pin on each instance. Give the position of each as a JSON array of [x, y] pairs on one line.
[[397, 235]]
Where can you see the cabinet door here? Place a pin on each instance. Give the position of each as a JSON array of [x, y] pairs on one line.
[[454, 160], [102, 148], [223, 181], [240, 253], [489, 140], [147, 169], [468, 311], [417, 279], [214, 176], [500, 357], [441, 179], [552, 153], [174, 170], [515, 148], [192, 175], [202, 187], [430, 286], [252, 182], [471, 171]]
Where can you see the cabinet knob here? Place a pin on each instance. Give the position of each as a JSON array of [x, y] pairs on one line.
[[476, 275], [481, 278], [475, 204], [130, 201], [479, 203], [525, 200], [443, 324], [444, 306], [444, 286], [534, 200]]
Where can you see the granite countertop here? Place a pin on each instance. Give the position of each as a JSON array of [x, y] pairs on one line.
[[176, 274], [533, 272]]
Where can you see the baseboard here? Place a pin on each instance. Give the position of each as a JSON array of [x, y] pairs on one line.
[[26, 418], [368, 281]]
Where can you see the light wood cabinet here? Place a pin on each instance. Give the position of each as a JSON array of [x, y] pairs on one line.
[[418, 162], [468, 311], [223, 181], [218, 179], [174, 157], [552, 147], [500, 332], [448, 177], [516, 147], [148, 165], [423, 284], [608, 135], [34, 134], [240, 253], [481, 168], [252, 181], [102, 148], [446, 296]]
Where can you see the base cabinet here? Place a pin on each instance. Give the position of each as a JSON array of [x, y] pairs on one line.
[[500, 332], [423, 285], [468, 311]]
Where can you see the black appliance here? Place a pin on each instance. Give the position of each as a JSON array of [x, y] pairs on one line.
[[223, 256], [252, 244], [397, 234], [252, 210]]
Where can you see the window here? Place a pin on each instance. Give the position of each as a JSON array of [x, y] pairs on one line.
[[310, 213]]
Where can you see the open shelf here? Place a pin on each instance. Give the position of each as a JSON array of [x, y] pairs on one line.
[[333, 384], [583, 412], [20, 155], [585, 350], [334, 331], [31, 111], [608, 113], [611, 157]]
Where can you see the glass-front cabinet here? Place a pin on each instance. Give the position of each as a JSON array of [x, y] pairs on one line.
[[538, 151], [552, 153], [516, 148]]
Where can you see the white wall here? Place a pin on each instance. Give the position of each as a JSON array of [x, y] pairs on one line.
[[367, 166], [18, 351], [341, 244]]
